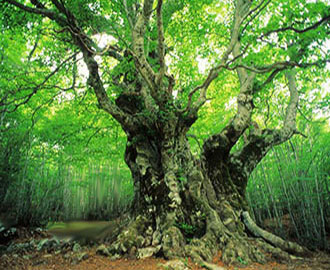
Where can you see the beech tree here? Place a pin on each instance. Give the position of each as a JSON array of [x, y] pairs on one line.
[[162, 60]]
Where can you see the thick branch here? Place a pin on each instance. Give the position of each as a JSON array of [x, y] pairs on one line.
[[41, 11], [291, 111], [81, 40], [241, 10], [138, 47], [161, 46], [242, 119], [261, 142], [220, 144], [241, 72]]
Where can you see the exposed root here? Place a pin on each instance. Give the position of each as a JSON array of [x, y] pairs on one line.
[[276, 241], [201, 250], [212, 266], [241, 251], [135, 236], [173, 243], [140, 239]]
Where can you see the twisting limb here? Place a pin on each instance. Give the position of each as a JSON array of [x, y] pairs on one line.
[[212, 75], [85, 40], [66, 19], [299, 31], [258, 146], [138, 47], [67, 25], [241, 10], [221, 143], [257, 11], [161, 46], [41, 11]]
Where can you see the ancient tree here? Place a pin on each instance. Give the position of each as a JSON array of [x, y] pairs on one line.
[[188, 205]]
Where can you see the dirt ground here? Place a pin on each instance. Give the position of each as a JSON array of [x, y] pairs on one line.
[[65, 260], [46, 261]]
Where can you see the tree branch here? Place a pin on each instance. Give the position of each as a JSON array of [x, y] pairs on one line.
[[259, 144], [258, 10], [35, 89], [41, 11], [221, 143], [278, 66], [138, 47], [291, 111], [61, 8], [241, 10], [81, 40], [299, 31], [161, 46], [34, 47]]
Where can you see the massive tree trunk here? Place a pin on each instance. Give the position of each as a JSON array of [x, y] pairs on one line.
[[185, 206]]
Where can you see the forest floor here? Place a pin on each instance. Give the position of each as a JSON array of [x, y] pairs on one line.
[[64, 260], [44, 261]]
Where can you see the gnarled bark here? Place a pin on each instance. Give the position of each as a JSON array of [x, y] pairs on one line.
[[187, 207]]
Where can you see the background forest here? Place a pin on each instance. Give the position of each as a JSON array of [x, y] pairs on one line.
[[61, 157]]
